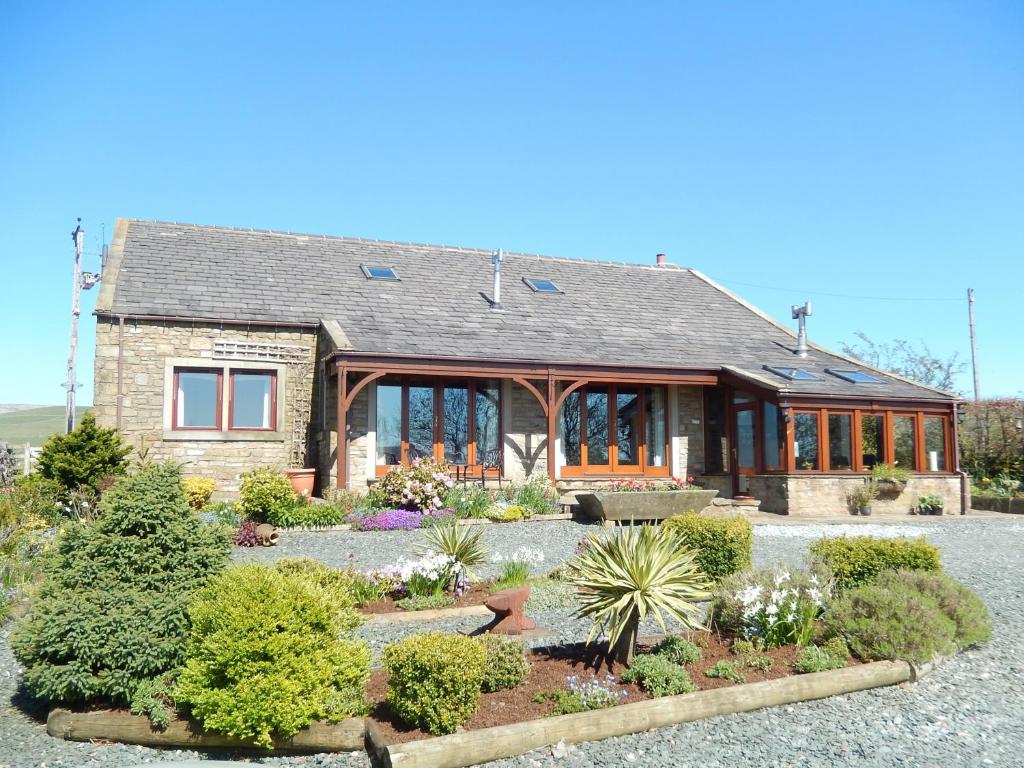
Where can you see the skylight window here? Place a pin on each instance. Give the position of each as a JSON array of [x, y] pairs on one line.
[[378, 273], [793, 374], [542, 286], [854, 376]]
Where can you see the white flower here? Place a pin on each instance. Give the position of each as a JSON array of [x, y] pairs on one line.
[[781, 577], [750, 594], [778, 596], [772, 609], [815, 595]]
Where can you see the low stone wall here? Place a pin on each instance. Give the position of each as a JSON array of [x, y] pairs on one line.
[[826, 494], [998, 504]]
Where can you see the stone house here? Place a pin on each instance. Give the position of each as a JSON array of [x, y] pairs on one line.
[[227, 349]]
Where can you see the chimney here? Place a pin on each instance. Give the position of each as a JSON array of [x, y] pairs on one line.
[[659, 259], [496, 258], [801, 314]]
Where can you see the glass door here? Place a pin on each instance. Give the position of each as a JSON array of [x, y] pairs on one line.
[[745, 451]]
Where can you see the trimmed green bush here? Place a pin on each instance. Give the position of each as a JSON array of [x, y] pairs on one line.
[[724, 545], [263, 492], [506, 665], [856, 560], [894, 621], [111, 612], [815, 659], [678, 650], [964, 607], [434, 680], [83, 457], [198, 491], [337, 582], [659, 676], [271, 651]]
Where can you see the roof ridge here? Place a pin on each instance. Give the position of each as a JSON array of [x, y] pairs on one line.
[[453, 248]]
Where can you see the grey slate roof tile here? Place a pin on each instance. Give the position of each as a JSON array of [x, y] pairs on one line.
[[618, 314]]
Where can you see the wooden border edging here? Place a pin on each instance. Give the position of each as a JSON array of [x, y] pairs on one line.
[[348, 735], [458, 750], [460, 521], [403, 617]]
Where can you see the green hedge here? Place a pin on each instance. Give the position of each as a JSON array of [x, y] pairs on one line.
[[434, 679], [858, 560], [724, 544]]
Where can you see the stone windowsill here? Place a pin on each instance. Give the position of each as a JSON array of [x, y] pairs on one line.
[[215, 436]]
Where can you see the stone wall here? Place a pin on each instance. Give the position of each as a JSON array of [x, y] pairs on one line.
[[526, 435], [146, 388], [826, 494], [690, 431]]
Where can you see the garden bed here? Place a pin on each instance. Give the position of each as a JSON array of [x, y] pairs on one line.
[[475, 596], [549, 668]]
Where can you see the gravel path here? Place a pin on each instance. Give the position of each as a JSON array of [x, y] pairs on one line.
[[967, 713]]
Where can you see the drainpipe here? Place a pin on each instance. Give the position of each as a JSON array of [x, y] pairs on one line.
[[496, 258], [965, 482]]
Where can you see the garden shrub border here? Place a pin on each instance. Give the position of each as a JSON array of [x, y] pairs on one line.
[[477, 746]]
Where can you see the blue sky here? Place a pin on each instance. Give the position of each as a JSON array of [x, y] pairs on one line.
[[791, 151]]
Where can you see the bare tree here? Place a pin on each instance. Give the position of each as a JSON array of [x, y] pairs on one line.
[[913, 361]]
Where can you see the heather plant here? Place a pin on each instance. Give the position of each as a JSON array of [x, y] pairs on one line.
[[389, 520], [659, 676], [246, 535], [420, 486], [264, 490], [678, 650], [112, 609], [964, 607], [272, 650], [83, 457], [507, 513], [891, 621], [434, 679], [506, 665], [198, 491]]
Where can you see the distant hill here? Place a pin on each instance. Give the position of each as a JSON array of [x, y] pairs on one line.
[[32, 424]]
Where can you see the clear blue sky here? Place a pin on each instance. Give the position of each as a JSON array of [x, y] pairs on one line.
[[789, 150]]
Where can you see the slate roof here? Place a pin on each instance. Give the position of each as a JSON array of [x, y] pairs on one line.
[[607, 313]]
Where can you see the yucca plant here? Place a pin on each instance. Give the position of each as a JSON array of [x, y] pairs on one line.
[[641, 571], [458, 541]]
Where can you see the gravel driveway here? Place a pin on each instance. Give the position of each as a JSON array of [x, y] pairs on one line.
[[967, 713]]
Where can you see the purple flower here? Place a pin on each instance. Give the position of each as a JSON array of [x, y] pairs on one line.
[[391, 520]]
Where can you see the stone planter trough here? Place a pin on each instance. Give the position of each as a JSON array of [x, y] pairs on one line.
[[613, 506]]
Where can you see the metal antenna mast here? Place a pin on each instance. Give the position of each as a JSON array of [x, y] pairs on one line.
[[974, 343]]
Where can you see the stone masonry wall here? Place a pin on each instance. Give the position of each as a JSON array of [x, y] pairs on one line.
[[526, 436], [826, 494], [691, 430], [145, 386]]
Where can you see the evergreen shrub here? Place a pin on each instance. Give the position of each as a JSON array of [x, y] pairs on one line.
[[262, 492], [856, 560], [724, 545], [86, 456], [112, 609], [271, 651], [506, 665], [434, 680]]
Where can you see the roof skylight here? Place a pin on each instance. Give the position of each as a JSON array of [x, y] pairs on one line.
[[542, 286], [793, 374], [378, 273], [854, 376]]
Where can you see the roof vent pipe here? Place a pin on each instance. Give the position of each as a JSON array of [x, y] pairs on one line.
[[801, 314], [659, 259], [496, 258]]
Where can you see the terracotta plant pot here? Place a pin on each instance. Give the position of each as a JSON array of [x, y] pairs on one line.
[[302, 480]]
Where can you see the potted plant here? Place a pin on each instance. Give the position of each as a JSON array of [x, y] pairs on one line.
[[645, 500], [891, 478], [929, 505], [302, 480], [860, 498]]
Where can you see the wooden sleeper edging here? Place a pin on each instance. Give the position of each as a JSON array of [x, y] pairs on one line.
[[348, 735], [458, 750]]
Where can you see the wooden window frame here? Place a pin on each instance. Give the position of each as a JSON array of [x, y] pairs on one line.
[[613, 468], [916, 431], [437, 436], [178, 370], [780, 464], [947, 438], [232, 372], [826, 459], [822, 447]]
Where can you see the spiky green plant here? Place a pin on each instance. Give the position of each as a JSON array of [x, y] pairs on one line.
[[639, 572], [458, 541]]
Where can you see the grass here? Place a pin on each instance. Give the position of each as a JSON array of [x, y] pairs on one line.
[[34, 425]]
